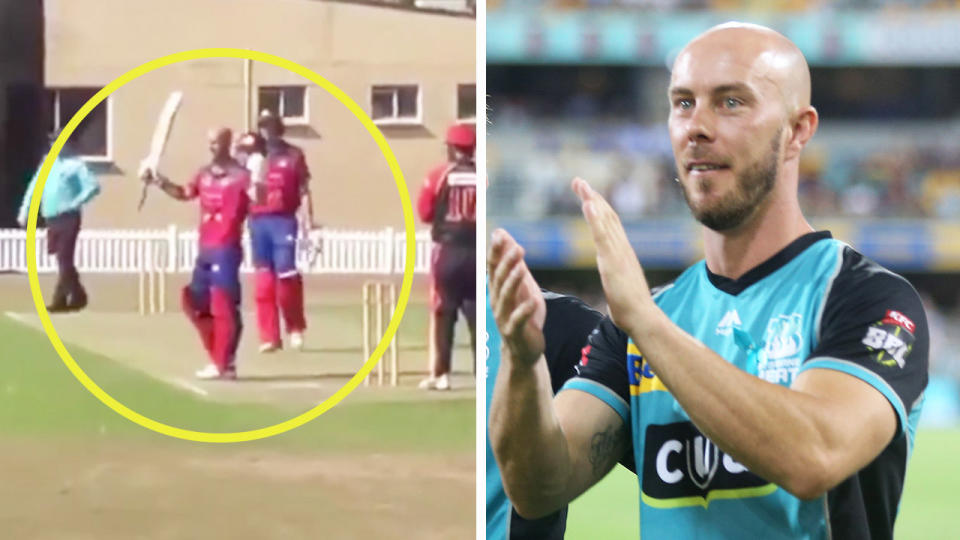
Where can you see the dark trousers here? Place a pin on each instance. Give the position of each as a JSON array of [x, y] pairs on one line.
[[62, 231], [454, 271]]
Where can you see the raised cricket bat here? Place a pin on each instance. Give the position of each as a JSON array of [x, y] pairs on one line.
[[161, 133]]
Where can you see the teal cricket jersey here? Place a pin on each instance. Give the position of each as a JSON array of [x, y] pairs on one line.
[[498, 506], [69, 186], [566, 327], [817, 304]]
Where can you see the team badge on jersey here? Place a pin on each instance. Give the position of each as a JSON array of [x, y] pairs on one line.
[[891, 338], [783, 338], [782, 349]]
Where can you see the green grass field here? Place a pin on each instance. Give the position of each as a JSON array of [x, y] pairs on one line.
[[927, 509], [407, 459], [39, 396]]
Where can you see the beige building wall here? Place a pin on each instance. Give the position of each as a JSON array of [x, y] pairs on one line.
[[90, 43]]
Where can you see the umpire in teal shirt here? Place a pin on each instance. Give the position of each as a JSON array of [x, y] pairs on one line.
[[69, 187]]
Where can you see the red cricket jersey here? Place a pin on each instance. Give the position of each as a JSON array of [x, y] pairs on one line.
[[448, 200], [286, 180], [223, 203]]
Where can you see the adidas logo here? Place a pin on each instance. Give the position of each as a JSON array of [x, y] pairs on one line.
[[730, 320]]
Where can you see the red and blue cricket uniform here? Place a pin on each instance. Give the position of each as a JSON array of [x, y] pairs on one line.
[[273, 234], [212, 299], [448, 200]]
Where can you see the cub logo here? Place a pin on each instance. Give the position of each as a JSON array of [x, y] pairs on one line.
[[682, 467]]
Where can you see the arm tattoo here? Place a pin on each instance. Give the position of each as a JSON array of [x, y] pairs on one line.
[[602, 444]]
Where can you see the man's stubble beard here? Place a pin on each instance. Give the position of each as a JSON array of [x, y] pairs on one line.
[[753, 186]]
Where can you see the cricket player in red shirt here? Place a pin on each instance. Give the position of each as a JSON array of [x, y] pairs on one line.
[[448, 201], [274, 228], [212, 299]]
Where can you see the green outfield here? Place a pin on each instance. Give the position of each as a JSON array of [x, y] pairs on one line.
[[404, 456], [927, 510]]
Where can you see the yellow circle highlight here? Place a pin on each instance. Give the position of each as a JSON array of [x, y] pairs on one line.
[[203, 436]]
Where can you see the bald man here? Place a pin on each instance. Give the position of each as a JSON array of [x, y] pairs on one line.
[[212, 299], [770, 391]]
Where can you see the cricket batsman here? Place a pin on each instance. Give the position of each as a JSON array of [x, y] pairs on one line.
[[274, 226], [212, 299], [448, 200]]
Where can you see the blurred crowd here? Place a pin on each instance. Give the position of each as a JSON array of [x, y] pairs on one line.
[[887, 145], [633, 165]]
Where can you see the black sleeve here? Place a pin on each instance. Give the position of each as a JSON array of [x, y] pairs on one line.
[[604, 360], [602, 372], [567, 326], [873, 327]]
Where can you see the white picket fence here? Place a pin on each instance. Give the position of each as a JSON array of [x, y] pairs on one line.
[[174, 251]]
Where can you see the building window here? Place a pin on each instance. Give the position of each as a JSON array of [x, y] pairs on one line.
[[467, 102], [287, 102], [395, 103], [91, 139]]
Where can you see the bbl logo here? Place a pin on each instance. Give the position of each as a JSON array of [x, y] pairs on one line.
[[891, 338]]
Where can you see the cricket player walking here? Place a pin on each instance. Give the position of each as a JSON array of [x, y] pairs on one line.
[[69, 186], [448, 200], [274, 227], [212, 299]]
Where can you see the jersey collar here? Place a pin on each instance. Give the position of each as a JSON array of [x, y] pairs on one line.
[[767, 267], [277, 147]]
